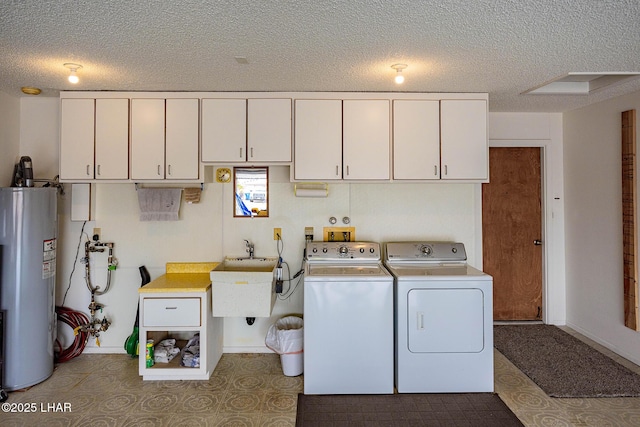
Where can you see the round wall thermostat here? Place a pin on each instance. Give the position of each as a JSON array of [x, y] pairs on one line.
[[223, 175]]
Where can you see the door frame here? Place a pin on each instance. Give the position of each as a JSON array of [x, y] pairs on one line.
[[553, 283]]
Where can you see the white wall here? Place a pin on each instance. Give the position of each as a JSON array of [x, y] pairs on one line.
[[593, 217], [207, 231], [9, 136]]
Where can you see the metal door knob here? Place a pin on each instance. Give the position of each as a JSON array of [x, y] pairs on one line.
[[537, 242]]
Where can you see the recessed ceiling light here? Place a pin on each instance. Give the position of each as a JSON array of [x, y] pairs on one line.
[[582, 83], [30, 90]]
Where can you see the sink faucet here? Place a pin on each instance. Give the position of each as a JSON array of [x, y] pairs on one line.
[[249, 248]]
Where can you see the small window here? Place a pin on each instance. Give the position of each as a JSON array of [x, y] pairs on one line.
[[251, 192]]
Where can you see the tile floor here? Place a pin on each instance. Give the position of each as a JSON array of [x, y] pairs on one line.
[[250, 390]]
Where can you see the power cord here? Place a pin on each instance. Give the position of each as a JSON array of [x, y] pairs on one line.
[[75, 261]]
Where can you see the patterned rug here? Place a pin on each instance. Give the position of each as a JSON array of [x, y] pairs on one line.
[[562, 365], [404, 410]]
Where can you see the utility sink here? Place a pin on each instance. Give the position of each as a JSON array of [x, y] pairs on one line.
[[243, 287]]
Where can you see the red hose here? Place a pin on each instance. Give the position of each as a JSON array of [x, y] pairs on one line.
[[74, 319]]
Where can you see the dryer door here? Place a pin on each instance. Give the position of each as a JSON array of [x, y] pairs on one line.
[[445, 320]]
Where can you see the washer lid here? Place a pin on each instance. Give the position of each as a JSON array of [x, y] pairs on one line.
[[347, 270]]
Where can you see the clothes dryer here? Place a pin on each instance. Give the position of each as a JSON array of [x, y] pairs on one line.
[[444, 319]]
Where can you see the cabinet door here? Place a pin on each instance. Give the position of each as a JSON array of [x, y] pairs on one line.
[[318, 139], [464, 144], [112, 139], [147, 139], [269, 130], [77, 138], [181, 145], [224, 130], [366, 139], [416, 139]]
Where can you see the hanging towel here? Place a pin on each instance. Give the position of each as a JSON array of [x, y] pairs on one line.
[[192, 195], [159, 204]]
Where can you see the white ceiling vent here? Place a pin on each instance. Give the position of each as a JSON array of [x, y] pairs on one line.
[[580, 83]]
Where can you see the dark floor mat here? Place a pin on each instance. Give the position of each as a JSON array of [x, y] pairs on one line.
[[402, 410], [562, 365]]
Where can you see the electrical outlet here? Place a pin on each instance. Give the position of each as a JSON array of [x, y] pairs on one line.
[[96, 232], [277, 234]]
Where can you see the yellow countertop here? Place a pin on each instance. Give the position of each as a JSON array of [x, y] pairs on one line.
[[182, 277]]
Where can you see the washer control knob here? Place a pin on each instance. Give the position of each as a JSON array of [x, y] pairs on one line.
[[372, 250], [343, 250], [361, 250], [314, 250], [454, 250], [426, 250], [324, 250]]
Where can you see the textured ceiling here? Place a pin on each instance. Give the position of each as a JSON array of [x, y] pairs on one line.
[[496, 46]]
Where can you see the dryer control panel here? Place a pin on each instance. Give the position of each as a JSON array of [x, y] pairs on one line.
[[425, 252], [343, 251]]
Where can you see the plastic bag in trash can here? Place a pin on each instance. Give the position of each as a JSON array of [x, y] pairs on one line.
[[286, 335]]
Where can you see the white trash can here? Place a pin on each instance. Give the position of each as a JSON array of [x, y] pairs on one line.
[[285, 337]]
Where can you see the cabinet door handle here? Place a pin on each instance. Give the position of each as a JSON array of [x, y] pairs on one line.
[[347, 170], [446, 172], [169, 169], [435, 170], [240, 152], [336, 170], [171, 308], [98, 169], [252, 152], [88, 174], [158, 170]]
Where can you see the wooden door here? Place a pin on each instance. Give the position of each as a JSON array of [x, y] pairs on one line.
[[512, 232]]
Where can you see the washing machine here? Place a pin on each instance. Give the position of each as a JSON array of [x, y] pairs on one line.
[[348, 320], [443, 319]]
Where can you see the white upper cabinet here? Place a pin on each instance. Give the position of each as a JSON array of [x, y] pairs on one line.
[[366, 135], [416, 139], [318, 139], [182, 143], [337, 139], [269, 130], [94, 139], [147, 139], [164, 142], [246, 130], [464, 143], [224, 130], [444, 139], [112, 139]]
